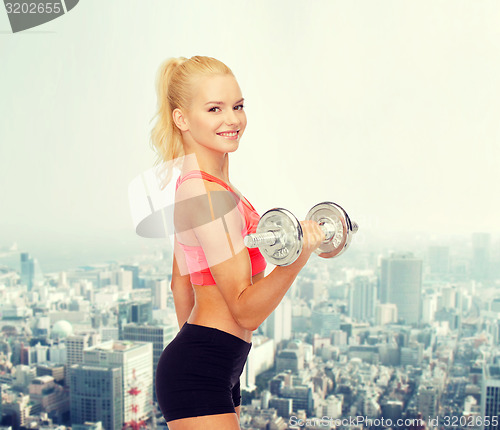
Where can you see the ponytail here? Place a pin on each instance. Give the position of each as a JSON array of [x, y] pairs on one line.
[[165, 136]]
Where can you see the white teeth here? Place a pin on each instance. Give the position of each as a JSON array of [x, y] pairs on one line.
[[231, 134]]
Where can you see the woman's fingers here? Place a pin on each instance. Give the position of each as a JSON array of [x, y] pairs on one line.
[[313, 235]]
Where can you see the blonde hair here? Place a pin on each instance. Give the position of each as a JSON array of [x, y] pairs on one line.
[[174, 90]]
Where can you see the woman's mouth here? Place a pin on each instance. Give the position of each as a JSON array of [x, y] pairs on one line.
[[229, 134]]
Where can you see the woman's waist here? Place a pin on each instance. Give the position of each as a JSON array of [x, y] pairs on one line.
[[219, 317], [216, 336]]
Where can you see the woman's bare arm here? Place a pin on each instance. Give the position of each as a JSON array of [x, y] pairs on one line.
[[181, 286], [229, 261]]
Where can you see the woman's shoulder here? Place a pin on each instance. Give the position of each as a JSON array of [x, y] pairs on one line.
[[200, 200], [199, 186]]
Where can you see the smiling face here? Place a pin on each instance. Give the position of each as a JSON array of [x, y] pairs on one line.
[[215, 120]]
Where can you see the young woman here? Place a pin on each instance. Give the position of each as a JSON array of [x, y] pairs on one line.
[[219, 289]]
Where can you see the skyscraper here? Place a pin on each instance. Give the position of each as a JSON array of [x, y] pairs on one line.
[[134, 268], [490, 395], [135, 360], [439, 260], [27, 270], [325, 319], [278, 325], [96, 395], [260, 359], [159, 293], [428, 401], [140, 312], [123, 278], [386, 313], [75, 345], [401, 284], [159, 336], [480, 256], [52, 398], [429, 308], [362, 295]]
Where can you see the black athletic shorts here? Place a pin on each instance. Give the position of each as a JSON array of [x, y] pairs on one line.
[[199, 373]]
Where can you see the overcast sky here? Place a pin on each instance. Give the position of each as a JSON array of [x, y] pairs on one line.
[[389, 108]]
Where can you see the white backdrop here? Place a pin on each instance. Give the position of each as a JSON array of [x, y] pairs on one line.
[[388, 108]]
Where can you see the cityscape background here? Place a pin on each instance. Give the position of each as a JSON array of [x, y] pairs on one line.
[[388, 108], [382, 337]]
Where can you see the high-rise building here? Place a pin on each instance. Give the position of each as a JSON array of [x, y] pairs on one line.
[[24, 375], [383, 283], [332, 407], [284, 407], [122, 278], [41, 352], [97, 395], [495, 305], [289, 359], [138, 311], [278, 325], [159, 336], [27, 270], [135, 359], [449, 297], [401, 284], [429, 308], [18, 408], [260, 359], [439, 260], [392, 409], [386, 313], [311, 289], [50, 396], [159, 293], [75, 345], [302, 397], [490, 395], [58, 353], [481, 244], [428, 401], [56, 371], [134, 268], [362, 296], [325, 319]]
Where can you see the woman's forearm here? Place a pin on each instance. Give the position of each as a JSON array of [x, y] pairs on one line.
[[258, 301]]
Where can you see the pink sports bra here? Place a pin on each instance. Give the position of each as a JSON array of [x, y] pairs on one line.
[[195, 257]]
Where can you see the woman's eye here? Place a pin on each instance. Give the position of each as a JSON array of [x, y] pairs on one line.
[[213, 109], [239, 107]]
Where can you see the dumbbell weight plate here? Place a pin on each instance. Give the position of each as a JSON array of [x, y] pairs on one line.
[[288, 246], [332, 213]]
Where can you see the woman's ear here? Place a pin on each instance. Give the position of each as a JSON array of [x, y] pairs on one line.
[[179, 120]]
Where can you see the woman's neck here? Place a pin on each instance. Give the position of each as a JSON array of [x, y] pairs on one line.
[[215, 166]]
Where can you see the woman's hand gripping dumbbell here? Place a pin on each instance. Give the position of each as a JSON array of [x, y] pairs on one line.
[[280, 238]]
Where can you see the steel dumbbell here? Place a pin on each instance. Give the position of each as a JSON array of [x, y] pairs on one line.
[[279, 235]]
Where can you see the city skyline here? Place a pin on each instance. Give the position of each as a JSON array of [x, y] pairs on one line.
[[331, 349]]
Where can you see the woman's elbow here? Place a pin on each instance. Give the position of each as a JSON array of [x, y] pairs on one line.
[[248, 325], [246, 321], [180, 283]]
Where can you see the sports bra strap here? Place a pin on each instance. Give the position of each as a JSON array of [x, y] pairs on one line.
[[204, 175]]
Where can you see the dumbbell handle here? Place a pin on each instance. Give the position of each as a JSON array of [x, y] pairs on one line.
[[255, 240]]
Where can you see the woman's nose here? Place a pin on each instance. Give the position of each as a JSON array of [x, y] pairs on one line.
[[231, 118]]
